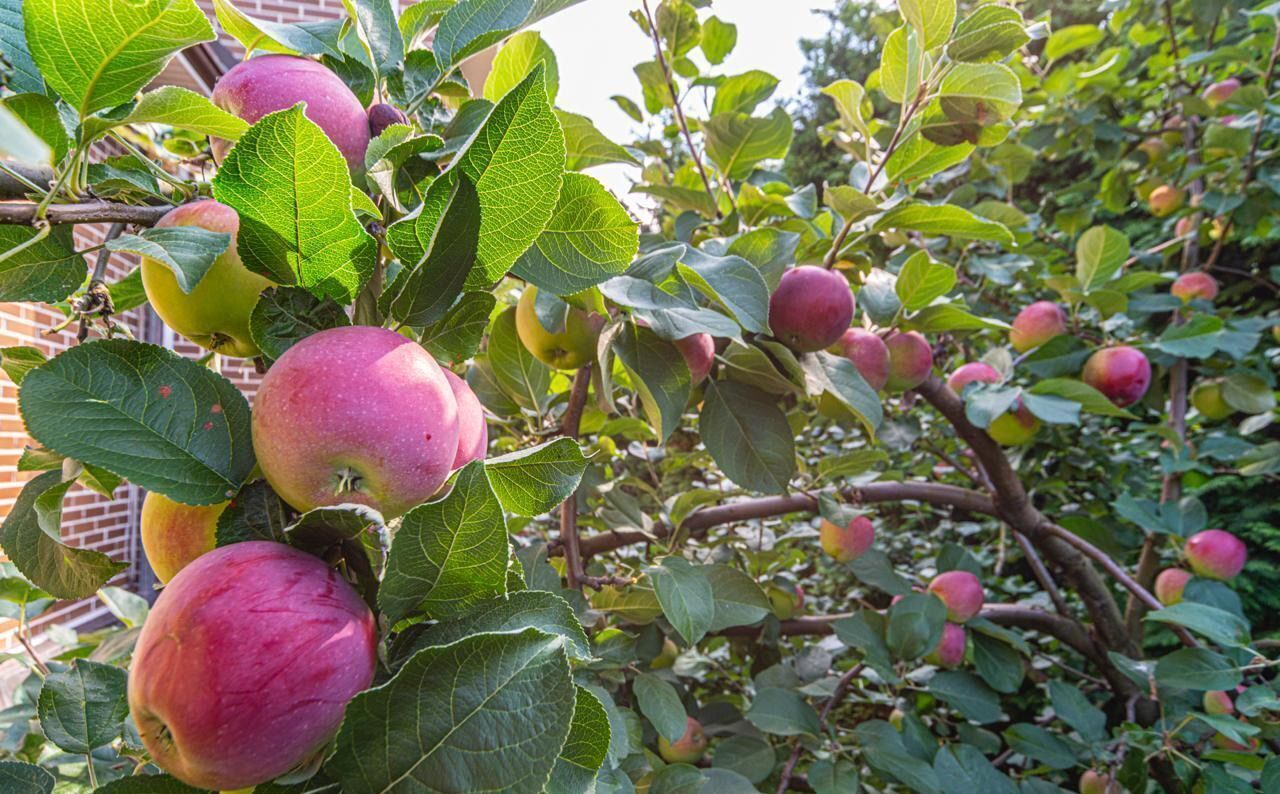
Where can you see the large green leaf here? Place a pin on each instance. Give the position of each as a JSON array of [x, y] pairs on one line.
[[783, 713], [48, 271], [966, 693], [534, 480], [660, 704], [188, 251], [98, 53], [18, 361], [24, 77], [1100, 253], [159, 420], [524, 609], [988, 34], [40, 115], [827, 373], [739, 601], [518, 56], [915, 625], [523, 377], [20, 778], [456, 337], [292, 190], [472, 25], [943, 220], [450, 554], [919, 158], [902, 63], [379, 32], [982, 93], [731, 281], [587, 146], [1198, 669], [740, 93], [658, 373], [83, 707], [1040, 744], [933, 19], [685, 593], [176, 107], [737, 142], [748, 436], [303, 38], [487, 713], [963, 769], [516, 161], [718, 39], [585, 749]]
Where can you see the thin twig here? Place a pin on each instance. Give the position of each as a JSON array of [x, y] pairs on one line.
[[569, 510], [837, 695]]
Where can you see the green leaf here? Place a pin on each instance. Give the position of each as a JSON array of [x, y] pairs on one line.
[[1198, 338], [980, 92], [457, 337], [1218, 625], [952, 317], [836, 375], [47, 271], [731, 281], [159, 420], [302, 38], [915, 625], [176, 107], [718, 40], [849, 97], [932, 18], [942, 220], [678, 28], [23, 75], [534, 480], [849, 202], [98, 55], [30, 540], [1072, 38], [922, 280], [968, 694], [1037, 743], [1073, 708], [150, 784], [1052, 410], [659, 374], [395, 167], [284, 316], [1247, 393], [84, 707], [519, 374], [188, 251], [748, 436], [902, 64], [256, 513], [585, 749], [1100, 253], [521, 610], [37, 112], [1090, 399], [589, 239], [739, 601], [736, 142], [450, 554], [473, 25], [831, 777], [883, 749], [586, 146], [18, 361], [741, 93], [963, 769], [660, 704], [489, 712], [1197, 668], [516, 60], [782, 712], [19, 778], [379, 31], [291, 188], [685, 593], [516, 161], [990, 33], [920, 158], [865, 632], [629, 107]]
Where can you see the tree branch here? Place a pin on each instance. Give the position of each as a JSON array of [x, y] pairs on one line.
[[574, 573], [23, 213]]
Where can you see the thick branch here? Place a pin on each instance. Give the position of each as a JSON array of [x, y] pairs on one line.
[[23, 213], [14, 188], [569, 510]]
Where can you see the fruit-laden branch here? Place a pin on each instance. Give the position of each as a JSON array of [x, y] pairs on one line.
[[23, 213], [569, 426]]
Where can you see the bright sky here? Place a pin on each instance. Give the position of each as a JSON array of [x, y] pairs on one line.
[[596, 45]]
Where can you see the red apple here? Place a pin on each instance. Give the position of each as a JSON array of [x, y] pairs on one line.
[[961, 592], [1196, 284], [174, 534], [473, 433], [1122, 373], [868, 354], [1215, 554], [1037, 324], [246, 664], [1220, 92], [268, 83], [1185, 226], [910, 361], [699, 353], [1170, 584], [356, 414], [688, 749], [848, 542], [973, 372], [1165, 200], [950, 650], [382, 116], [811, 308]]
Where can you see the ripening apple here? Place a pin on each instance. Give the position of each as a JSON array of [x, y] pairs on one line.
[[1185, 226], [1156, 149], [667, 656], [849, 542], [382, 116], [1207, 397], [1037, 324], [910, 361], [961, 592], [269, 83], [1220, 92], [473, 433], [688, 749], [1092, 782], [786, 601], [1122, 373], [569, 348], [1218, 702], [1170, 584], [1010, 428], [174, 534], [246, 663], [699, 352], [1165, 200], [1194, 285], [215, 314], [868, 354], [951, 647], [1223, 742], [356, 414], [1215, 554], [811, 308]]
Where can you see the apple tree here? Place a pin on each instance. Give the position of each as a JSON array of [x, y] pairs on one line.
[[886, 482]]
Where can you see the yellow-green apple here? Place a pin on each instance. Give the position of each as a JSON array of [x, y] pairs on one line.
[[1218, 702], [786, 601], [1220, 92], [174, 534], [1011, 428], [951, 647], [1193, 285], [667, 656], [568, 348], [1165, 200], [253, 88], [1122, 373], [1092, 782], [910, 360], [382, 116], [1215, 554], [473, 433], [961, 592], [1208, 400], [1170, 584], [1156, 149], [811, 308], [868, 354], [356, 414], [246, 664], [699, 352], [1037, 324], [849, 542], [688, 749], [215, 314]]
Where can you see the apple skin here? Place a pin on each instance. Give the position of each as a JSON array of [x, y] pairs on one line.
[[1218, 702], [849, 542], [811, 308], [174, 534], [356, 414], [1165, 200], [699, 353], [1215, 554], [910, 361], [1037, 324], [268, 83], [1220, 92], [666, 657], [1196, 284], [961, 592], [868, 354], [1122, 373], [1170, 584], [950, 650], [246, 663], [1207, 397], [1011, 428], [473, 433], [568, 349], [382, 116], [1092, 782], [215, 315], [688, 749]]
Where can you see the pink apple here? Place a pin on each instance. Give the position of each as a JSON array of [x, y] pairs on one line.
[[1215, 554], [473, 433], [973, 372], [961, 592], [910, 361], [356, 414], [1037, 324], [868, 354], [268, 83], [950, 650], [811, 308], [1122, 373], [1218, 702], [848, 542], [699, 353], [1170, 584], [1220, 92], [246, 663], [1165, 200], [1193, 285]]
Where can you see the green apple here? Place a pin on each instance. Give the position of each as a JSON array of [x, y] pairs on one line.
[[1207, 397], [567, 349], [174, 534]]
